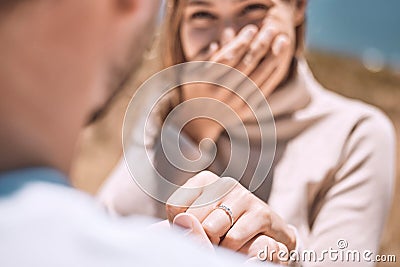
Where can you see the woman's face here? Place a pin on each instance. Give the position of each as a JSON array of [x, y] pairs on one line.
[[204, 21]]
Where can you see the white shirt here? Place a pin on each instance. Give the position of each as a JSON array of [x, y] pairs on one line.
[[44, 222]]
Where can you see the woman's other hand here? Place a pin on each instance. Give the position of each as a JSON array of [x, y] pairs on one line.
[[264, 55]]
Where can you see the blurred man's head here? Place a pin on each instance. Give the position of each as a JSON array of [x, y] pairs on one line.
[[61, 60]]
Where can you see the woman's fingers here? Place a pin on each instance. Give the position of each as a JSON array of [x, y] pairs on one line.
[[261, 77], [216, 225], [245, 228], [259, 247], [223, 186], [260, 56], [283, 255], [234, 51], [265, 248], [198, 195], [223, 216], [207, 54], [281, 42], [281, 51], [262, 43], [217, 218], [231, 54], [269, 63], [270, 72], [258, 49], [276, 228], [258, 221], [248, 214], [264, 70], [264, 74], [227, 36], [187, 194]]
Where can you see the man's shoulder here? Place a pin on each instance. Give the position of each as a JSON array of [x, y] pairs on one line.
[[56, 225]]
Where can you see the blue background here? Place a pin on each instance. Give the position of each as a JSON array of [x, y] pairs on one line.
[[354, 26]]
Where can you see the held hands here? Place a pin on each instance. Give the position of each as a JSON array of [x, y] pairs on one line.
[[194, 230], [238, 221]]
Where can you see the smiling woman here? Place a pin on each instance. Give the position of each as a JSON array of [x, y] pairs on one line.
[[206, 18], [334, 165]]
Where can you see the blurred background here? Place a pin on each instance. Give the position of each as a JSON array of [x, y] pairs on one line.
[[353, 48]]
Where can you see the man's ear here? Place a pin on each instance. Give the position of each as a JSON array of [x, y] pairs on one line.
[[300, 11]]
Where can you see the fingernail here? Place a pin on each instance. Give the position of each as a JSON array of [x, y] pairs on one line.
[[229, 33], [250, 31], [279, 43], [267, 34], [213, 47]]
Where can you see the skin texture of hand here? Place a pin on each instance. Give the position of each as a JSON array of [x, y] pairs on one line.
[[195, 231], [252, 217], [264, 55]]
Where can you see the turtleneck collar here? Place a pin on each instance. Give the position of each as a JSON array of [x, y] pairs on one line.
[[287, 101]]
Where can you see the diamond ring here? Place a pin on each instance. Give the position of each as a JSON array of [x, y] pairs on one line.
[[228, 211]]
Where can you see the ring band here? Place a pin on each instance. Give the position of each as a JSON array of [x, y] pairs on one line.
[[228, 211]]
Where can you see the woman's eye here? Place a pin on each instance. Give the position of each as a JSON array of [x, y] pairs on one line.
[[202, 15], [254, 7]]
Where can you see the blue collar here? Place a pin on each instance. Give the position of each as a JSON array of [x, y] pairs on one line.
[[13, 181]]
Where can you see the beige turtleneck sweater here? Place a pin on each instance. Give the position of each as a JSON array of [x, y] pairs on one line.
[[332, 177]]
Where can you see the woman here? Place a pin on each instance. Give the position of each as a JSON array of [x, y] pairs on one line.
[[334, 167]]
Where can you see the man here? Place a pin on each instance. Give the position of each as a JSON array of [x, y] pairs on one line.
[[61, 61]]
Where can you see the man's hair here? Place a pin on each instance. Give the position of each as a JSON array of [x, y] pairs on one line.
[[6, 5]]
